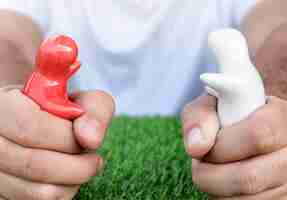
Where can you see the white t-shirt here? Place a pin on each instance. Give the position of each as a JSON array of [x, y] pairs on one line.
[[147, 53]]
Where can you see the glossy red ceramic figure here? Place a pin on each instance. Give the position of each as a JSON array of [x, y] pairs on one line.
[[56, 62]]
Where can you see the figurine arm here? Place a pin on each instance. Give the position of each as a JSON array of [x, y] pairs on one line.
[[220, 84], [74, 67]]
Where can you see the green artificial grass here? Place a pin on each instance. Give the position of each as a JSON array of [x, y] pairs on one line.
[[145, 159]]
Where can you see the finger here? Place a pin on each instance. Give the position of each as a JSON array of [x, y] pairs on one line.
[[91, 127], [262, 132], [200, 126], [242, 178], [277, 193], [10, 87], [16, 188], [47, 166], [23, 122]]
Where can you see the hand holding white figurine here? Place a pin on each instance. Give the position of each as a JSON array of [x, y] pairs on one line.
[[238, 85], [238, 144]]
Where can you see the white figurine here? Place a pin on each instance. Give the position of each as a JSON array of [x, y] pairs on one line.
[[238, 85]]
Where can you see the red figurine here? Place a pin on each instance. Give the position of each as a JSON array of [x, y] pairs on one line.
[[56, 62]]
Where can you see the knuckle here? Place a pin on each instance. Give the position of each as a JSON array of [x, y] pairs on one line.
[[89, 170], [248, 181], [103, 107], [109, 99], [105, 97], [26, 128], [27, 170], [196, 176], [190, 107], [23, 129], [22, 110], [48, 192], [196, 180], [33, 169], [199, 108], [186, 110], [263, 135], [193, 112], [203, 113], [86, 177]]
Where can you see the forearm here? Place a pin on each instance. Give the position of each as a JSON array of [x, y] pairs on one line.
[[18, 42], [262, 20], [266, 30]]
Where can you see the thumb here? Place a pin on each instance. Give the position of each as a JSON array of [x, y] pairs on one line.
[[200, 126], [90, 128]]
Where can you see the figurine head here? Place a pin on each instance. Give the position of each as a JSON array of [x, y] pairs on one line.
[[231, 50], [56, 55]]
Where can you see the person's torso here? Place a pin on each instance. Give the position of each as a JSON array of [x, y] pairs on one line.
[[147, 54]]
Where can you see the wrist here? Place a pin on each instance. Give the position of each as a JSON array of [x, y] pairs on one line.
[[271, 61], [14, 65]]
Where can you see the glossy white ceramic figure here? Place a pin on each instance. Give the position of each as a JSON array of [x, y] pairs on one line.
[[238, 85]]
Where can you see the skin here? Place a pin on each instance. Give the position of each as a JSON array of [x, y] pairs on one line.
[[246, 161], [33, 141]]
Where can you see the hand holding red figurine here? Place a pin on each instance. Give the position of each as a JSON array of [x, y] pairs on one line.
[[56, 62]]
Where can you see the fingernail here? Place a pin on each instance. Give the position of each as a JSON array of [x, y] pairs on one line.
[[88, 128], [194, 163], [91, 129], [100, 163], [194, 137]]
